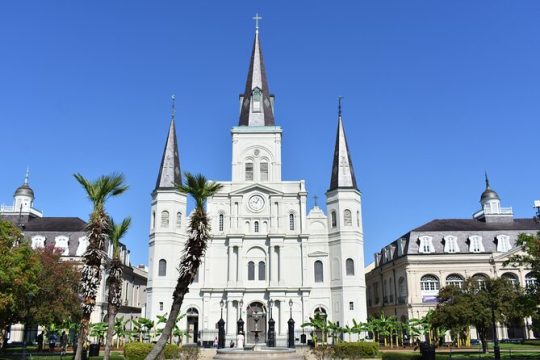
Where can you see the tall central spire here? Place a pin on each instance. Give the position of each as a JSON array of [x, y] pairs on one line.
[[257, 105]]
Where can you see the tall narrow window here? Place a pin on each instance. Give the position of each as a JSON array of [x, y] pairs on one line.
[[318, 271], [475, 244], [153, 219], [402, 290], [220, 225], [256, 100], [160, 306], [358, 218], [256, 226], [291, 221], [503, 243], [426, 245], [264, 171], [162, 267], [347, 217], [351, 305], [450, 244], [334, 219], [178, 219], [249, 171], [251, 270], [262, 270], [349, 265], [164, 219]]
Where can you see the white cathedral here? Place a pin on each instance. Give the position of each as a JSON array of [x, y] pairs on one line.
[[267, 256]]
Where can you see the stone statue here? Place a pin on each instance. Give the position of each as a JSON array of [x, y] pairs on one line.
[[240, 340]]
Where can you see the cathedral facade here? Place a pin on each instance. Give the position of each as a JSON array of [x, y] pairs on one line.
[[268, 256]]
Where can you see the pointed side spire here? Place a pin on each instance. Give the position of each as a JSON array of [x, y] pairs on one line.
[[257, 107], [169, 170], [342, 169]]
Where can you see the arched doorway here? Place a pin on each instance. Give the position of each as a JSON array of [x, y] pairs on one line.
[[320, 313], [192, 330], [256, 323]]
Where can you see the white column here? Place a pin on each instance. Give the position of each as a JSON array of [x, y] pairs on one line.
[[281, 275], [230, 264], [230, 325], [235, 265], [273, 265], [239, 265]]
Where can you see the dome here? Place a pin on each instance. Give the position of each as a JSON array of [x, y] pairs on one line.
[[489, 194], [24, 190]]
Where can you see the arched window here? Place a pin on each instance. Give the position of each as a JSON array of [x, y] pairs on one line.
[[347, 217], [318, 270], [530, 281], [256, 226], [454, 280], [480, 280], [249, 171], [164, 219], [334, 219], [178, 219], [262, 270], [264, 171], [221, 222], [162, 267], [256, 100], [349, 266], [511, 278], [291, 222], [251, 270], [429, 284]]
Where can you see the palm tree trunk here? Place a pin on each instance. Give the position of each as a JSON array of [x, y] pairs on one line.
[[83, 334], [111, 312]]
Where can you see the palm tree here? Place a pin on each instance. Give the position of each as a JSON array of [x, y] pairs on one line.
[[319, 324], [115, 280], [98, 232], [199, 226]]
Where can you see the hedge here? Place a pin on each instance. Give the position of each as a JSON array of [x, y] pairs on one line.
[[356, 350], [401, 356], [138, 351]]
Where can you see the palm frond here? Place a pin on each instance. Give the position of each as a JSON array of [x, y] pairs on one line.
[[198, 187], [118, 231]]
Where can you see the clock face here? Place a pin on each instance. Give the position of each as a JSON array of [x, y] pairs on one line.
[[256, 202]]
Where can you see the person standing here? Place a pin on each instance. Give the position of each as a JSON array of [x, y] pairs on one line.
[[52, 341], [63, 341], [40, 342]]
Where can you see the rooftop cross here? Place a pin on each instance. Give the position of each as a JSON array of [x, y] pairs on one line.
[[257, 18], [173, 110], [26, 175], [315, 197], [339, 105]]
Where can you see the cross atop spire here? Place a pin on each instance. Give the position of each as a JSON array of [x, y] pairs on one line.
[[173, 106], [487, 180], [27, 175], [342, 168], [257, 18]]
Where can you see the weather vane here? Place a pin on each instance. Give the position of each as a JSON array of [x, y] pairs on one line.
[[339, 105]]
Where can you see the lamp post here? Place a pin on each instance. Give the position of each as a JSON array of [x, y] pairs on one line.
[[221, 328], [240, 322], [290, 337], [271, 327]]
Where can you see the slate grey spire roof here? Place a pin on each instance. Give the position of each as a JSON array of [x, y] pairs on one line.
[[342, 168], [257, 108], [169, 170]]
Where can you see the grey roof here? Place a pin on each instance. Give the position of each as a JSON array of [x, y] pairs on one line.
[[169, 170], [342, 168], [24, 190], [56, 224], [476, 225], [256, 79]]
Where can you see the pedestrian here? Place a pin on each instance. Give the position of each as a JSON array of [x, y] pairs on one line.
[[63, 341], [231, 345], [215, 342], [40, 342], [52, 341]]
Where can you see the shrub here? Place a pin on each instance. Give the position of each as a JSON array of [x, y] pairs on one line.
[[137, 350], [189, 352], [356, 350]]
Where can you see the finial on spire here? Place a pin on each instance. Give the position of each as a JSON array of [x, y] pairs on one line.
[[257, 18], [487, 180], [339, 105], [173, 106], [27, 175], [315, 197]]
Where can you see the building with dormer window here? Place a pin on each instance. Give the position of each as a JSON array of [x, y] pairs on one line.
[[445, 252]]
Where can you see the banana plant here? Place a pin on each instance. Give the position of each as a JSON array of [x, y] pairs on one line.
[[98, 330], [318, 322], [120, 330]]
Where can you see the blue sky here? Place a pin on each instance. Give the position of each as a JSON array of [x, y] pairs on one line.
[[435, 93]]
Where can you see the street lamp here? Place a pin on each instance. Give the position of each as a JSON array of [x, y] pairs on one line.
[[221, 327], [271, 327], [290, 323], [240, 322]]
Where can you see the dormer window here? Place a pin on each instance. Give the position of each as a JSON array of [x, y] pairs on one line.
[[503, 243], [475, 244], [256, 100], [426, 245], [450, 244]]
